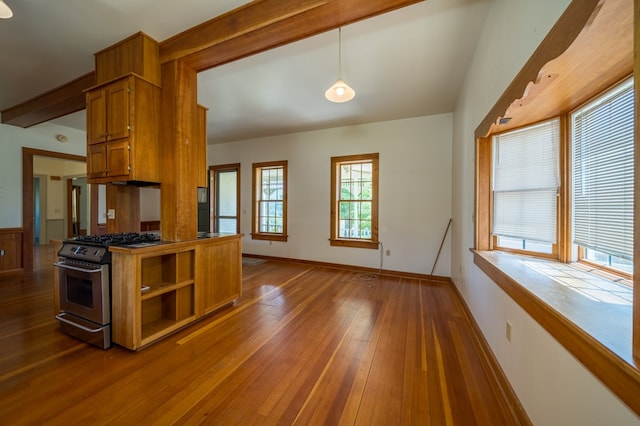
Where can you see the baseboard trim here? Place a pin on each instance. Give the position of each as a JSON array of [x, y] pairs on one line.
[[385, 272], [492, 365]]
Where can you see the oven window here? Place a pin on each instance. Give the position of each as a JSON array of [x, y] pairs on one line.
[[79, 291]]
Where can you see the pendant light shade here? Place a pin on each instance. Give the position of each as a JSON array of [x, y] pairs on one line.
[[5, 11], [340, 91]]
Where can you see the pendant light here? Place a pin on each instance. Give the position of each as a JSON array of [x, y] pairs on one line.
[[340, 91], [5, 11]]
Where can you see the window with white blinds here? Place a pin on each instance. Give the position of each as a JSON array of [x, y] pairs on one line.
[[525, 182], [602, 134]]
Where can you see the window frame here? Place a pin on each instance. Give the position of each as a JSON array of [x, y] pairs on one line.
[[255, 211], [560, 206], [564, 250], [336, 163], [579, 254]]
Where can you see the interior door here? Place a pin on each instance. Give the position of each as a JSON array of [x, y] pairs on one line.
[[225, 194]]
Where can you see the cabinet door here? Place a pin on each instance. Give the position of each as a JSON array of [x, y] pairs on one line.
[[219, 274], [118, 109], [118, 158], [97, 160], [96, 116]]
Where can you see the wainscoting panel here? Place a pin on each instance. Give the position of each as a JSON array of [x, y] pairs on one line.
[[10, 249]]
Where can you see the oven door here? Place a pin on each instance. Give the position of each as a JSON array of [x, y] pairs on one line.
[[84, 291]]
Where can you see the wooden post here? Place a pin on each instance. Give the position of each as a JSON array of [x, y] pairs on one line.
[[179, 199]]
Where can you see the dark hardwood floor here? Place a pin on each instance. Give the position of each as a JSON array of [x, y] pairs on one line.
[[304, 345]]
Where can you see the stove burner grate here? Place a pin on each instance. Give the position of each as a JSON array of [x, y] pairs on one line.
[[118, 239]]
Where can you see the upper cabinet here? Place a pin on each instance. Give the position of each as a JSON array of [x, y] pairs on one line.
[[122, 131], [123, 113]]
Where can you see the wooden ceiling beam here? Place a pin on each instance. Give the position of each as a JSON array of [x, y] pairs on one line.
[[264, 25], [255, 27], [58, 102]]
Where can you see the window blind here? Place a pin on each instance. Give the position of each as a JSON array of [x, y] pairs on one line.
[[603, 173], [525, 182]]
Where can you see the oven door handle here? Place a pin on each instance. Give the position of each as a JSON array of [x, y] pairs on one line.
[[60, 317], [65, 266]]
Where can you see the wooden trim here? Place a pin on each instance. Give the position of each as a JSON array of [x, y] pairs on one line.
[[334, 240], [619, 376], [11, 230], [255, 217], [354, 243], [636, 222], [383, 272], [27, 198], [561, 36], [564, 192], [483, 197], [552, 255], [501, 382]]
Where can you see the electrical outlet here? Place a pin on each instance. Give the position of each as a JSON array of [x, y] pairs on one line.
[[388, 252], [508, 331], [2, 253]]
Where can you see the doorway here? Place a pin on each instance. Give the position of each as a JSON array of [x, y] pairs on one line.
[[28, 199], [76, 206], [225, 196], [39, 201]]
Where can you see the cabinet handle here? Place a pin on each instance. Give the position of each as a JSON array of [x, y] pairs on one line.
[[60, 317]]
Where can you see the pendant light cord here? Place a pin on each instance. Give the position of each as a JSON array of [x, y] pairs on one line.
[[340, 53]]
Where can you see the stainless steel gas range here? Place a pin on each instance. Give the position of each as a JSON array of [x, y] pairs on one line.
[[84, 276]]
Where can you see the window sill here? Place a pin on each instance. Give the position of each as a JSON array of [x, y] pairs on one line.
[[269, 237], [354, 243], [594, 323]]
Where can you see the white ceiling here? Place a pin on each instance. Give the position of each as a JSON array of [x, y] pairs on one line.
[[405, 63]]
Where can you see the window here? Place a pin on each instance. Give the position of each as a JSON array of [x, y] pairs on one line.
[[563, 194], [270, 201], [354, 201], [526, 179], [603, 162]]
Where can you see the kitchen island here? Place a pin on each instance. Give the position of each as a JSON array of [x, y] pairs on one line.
[[160, 287]]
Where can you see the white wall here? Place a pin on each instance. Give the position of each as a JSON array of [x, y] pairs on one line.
[[414, 193], [12, 140], [553, 386]]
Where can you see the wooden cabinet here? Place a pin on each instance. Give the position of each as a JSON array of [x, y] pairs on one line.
[[152, 295], [159, 289], [218, 273], [122, 131]]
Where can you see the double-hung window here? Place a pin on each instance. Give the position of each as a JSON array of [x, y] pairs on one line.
[[603, 163], [354, 201], [526, 180], [270, 201]]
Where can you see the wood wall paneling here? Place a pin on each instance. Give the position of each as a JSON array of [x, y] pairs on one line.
[[124, 200], [11, 250]]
